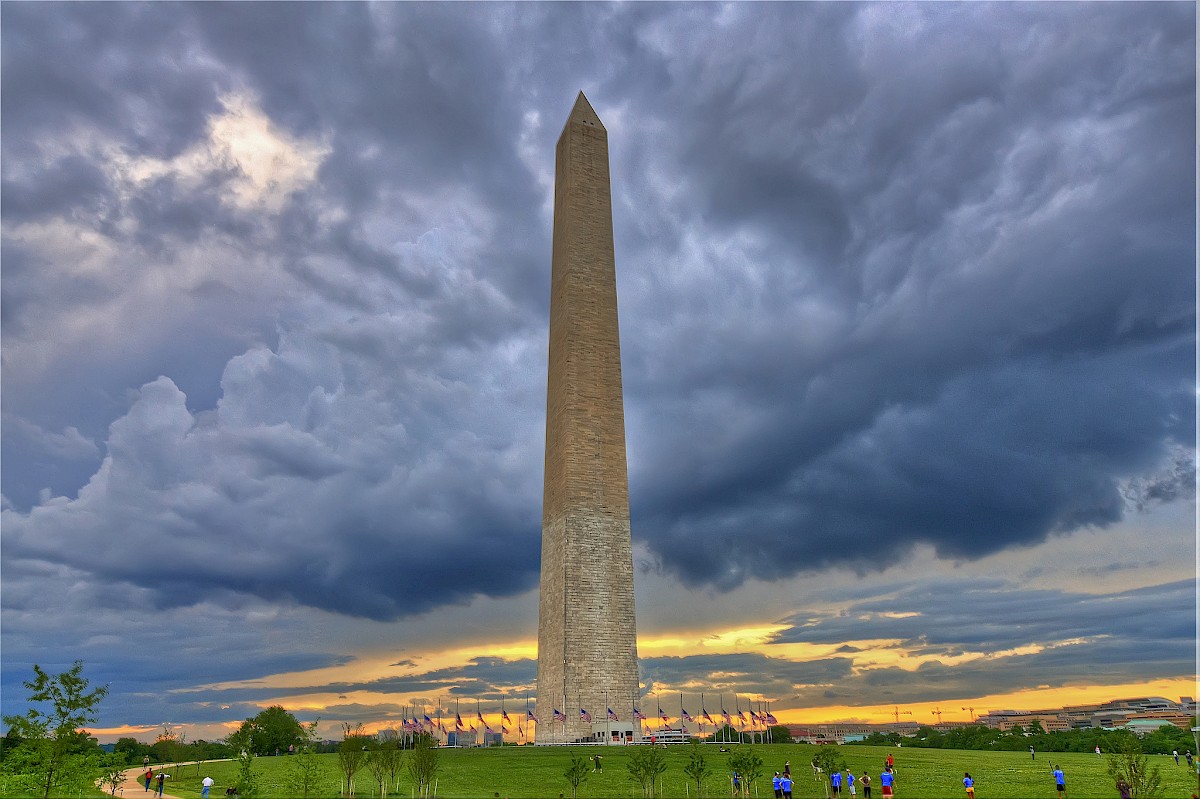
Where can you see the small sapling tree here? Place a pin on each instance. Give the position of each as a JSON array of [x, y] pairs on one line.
[[50, 731]]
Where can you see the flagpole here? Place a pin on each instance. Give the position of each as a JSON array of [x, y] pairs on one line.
[[607, 719]]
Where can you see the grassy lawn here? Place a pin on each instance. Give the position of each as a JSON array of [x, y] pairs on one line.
[[537, 773]]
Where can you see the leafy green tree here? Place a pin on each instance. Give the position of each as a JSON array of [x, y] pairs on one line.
[[576, 774], [747, 763], [304, 770], [383, 761], [131, 749], [60, 705], [352, 753], [697, 767], [241, 744], [112, 772], [645, 766], [423, 765], [1127, 762], [273, 730]]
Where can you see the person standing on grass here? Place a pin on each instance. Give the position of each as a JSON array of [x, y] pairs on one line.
[[786, 785], [835, 781], [775, 784], [208, 784], [850, 781], [1123, 789], [1032, 754], [866, 784], [887, 780], [1060, 782], [969, 784]]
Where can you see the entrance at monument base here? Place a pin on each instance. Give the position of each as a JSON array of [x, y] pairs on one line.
[[614, 732]]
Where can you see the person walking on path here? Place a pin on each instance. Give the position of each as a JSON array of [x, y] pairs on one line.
[[161, 777], [969, 784], [866, 784], [887, 781], [149, 775], [1060, 782]]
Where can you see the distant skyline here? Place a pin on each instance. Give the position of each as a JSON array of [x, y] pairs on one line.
[[908, 325]]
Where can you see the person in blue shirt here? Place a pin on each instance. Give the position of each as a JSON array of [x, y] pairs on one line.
[[775, 784], [969, 784], [786, 785], [850, 781], [1060, 782], [887, 781], [835, 779]]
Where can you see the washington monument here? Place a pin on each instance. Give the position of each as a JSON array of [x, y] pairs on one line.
[[587, 641]]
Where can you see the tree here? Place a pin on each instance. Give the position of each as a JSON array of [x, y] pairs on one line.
[[1127, 762], [304, 770], [576, 774], [746, 762], [112, 772], [131, 749], [170, 746], [272, 730], [60, 705], [645, 766], [383, 761], [697, 767], [352, 753], [423, 765], [240, 743]]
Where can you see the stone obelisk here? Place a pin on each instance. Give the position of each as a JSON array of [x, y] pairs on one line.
[[587, 641]]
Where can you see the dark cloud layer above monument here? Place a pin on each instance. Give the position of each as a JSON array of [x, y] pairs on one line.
[[892, 278]]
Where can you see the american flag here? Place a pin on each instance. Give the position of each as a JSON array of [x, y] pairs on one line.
[[458, 725], [480, 717], [686, 716], [612, 716], [559, 715], [663, 715], [770, 717], [725, 715], [742, 716], [637, 714], [583, 714], [707, 717], [504, 717], [530, 717], [428, 722]]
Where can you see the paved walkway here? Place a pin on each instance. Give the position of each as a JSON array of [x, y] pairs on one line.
[[134, 786]]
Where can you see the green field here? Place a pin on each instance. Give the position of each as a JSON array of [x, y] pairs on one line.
[[537, 772]]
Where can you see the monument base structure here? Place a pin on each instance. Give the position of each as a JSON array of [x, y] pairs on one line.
[[587, 683]]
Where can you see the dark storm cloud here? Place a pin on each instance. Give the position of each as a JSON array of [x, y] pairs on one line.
[[891, 275], [992, 333]]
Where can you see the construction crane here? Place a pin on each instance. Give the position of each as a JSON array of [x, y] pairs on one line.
[[972, 711], [937, 711], [897, 712]]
